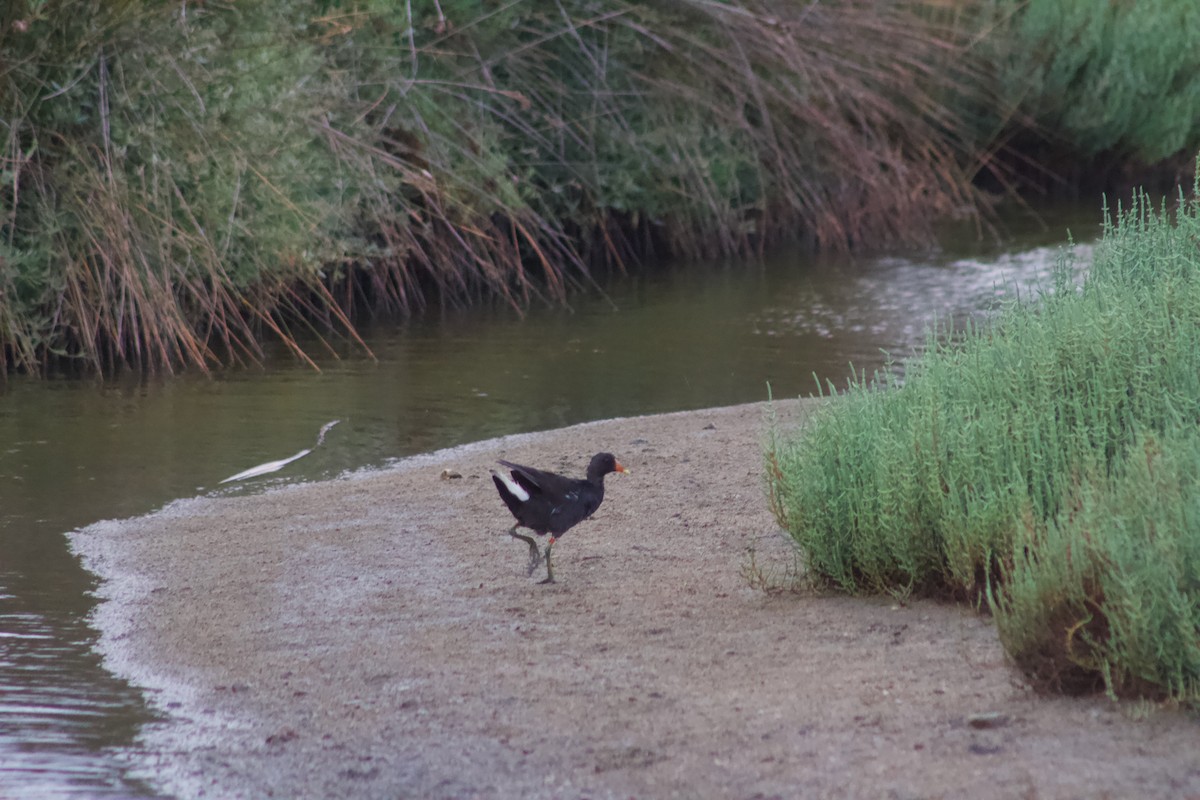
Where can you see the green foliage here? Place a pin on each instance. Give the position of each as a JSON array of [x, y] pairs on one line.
[[1108, 592], [991, 468], [1104, 77], [158, 178]]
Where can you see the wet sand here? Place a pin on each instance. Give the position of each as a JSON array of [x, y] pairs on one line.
[[376, 636]]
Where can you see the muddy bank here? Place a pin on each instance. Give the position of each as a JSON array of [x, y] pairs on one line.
[[376, 636]]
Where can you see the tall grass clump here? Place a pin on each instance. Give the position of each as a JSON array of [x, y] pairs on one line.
[[180, 180], [164, 203], [987, 472]]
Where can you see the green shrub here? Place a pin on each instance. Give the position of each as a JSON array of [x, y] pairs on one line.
[[1102, 77], [161, 186], [1108, 592], [952, 481]]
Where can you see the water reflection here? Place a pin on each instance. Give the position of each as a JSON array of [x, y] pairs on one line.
[[667, 339], [891, 304], [61, 714]]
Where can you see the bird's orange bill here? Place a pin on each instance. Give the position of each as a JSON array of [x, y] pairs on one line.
[[619, 468]]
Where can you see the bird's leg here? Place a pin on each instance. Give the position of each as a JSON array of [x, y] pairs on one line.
[[549, 569], [535, 557]]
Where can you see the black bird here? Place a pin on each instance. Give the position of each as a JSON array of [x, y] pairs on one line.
[[547, 503]]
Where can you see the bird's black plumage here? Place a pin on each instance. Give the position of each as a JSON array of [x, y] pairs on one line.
[[552, 504]]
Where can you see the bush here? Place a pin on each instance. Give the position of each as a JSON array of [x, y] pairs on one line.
[[163, 198], [1118, 78], [1107, 593], [973, 469]]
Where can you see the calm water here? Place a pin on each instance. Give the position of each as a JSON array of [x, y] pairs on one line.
[[73, 452]]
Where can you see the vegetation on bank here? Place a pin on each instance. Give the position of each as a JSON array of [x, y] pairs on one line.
[[1118, 80], [182, 178], [1047, 461], [179, 181]]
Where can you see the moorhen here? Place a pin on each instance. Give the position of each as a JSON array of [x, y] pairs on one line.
[[547, 503]]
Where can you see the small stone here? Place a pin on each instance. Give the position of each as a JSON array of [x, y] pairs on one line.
[[450, 474], [282, 736], [988, 719]]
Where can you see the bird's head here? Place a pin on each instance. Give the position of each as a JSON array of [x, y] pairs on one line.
[[602, 464]]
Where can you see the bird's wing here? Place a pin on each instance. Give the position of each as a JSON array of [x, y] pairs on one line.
[[540, 482], [509, 488]]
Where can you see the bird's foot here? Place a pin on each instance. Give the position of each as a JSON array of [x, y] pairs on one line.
[[549, 568], [535, 558]]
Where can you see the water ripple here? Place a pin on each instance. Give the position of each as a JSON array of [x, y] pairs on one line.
[[61, 713]]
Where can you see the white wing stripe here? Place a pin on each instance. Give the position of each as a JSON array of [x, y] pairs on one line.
[[517, 490]]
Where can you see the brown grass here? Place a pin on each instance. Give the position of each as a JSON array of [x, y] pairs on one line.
[[504, 156]]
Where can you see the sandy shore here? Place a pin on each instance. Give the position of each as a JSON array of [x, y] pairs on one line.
[[376, 637]]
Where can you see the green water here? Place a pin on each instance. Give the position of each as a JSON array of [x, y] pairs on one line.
[[73, 452]]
